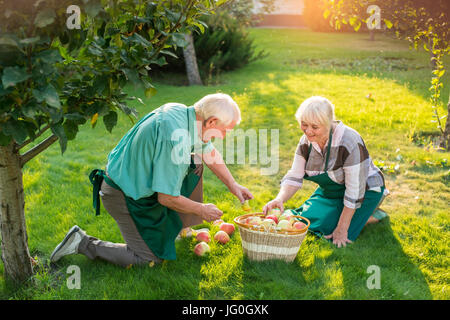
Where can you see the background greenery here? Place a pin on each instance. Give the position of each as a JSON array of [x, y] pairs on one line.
[[379, 88]]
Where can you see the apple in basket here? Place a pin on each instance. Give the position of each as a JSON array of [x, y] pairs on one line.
[[222, 236], [227, 227], [284, 225], [268, 223], [254, 220], [203, 236], [275, 211], [284, 217], [273, 217], [201, 248], [298, 225]]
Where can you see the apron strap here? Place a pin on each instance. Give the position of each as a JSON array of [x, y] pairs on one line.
[[330, 137], [96, 177]]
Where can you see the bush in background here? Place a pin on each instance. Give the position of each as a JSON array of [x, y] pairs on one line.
[[223, 46]]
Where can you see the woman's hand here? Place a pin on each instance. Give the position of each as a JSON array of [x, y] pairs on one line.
[[275, 203], [242, 193], [339, 236]]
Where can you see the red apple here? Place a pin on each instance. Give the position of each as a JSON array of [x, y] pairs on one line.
[[203, 236], [227, 227], [222, 237], [298, 225], [273, 217], [201, 248]]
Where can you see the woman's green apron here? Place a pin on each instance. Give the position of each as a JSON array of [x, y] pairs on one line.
[[324, 207], [157, 225]]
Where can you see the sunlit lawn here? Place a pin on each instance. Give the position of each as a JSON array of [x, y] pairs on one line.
[[411, 247]]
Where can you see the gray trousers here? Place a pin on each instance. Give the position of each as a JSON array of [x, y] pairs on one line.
[[134, 251]]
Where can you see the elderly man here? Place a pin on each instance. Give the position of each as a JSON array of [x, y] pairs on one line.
[[152, 185]]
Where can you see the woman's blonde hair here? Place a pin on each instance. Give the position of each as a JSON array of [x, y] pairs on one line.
[[218, 105], [317, 110]]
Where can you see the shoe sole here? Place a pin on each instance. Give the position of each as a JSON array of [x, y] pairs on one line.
[[66, 238]]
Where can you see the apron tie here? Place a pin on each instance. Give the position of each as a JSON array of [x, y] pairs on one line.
[[96, 177]]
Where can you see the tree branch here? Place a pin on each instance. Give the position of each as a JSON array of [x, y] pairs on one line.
[[37, 136], [30, 154]]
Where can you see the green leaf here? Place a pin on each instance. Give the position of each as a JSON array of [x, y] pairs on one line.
[[110, 120], [49, 94], [132, 75], [71, 130], [7, 41], [16, 129], [4, 139], [30, 40], [58, 130], [45, 18], [179, 40], [14, 75], [93, 8]]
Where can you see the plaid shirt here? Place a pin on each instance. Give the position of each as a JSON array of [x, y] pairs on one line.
[[349, 163]]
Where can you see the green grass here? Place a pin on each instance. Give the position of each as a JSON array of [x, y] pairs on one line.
[[411, 247]]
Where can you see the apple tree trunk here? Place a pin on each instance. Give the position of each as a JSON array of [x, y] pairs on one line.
[[14, 241], [190, 59]]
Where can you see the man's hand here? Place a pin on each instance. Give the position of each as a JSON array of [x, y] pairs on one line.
[[275, 203], [339, 236], [210, 212], [242, 193]]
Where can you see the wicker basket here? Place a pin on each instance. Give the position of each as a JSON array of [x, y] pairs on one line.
[[260, 244]]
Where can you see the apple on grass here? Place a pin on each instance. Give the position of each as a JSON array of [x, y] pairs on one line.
[[227, 227], [203, 236], [222, 237], [201, 248]]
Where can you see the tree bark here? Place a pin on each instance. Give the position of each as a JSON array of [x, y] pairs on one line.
[[14, 243], [190, 59], [372, 35]]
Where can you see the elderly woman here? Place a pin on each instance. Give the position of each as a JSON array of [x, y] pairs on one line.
[[334, 156]]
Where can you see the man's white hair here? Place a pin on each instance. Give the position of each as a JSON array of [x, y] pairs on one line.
[[316, 109], [219, 105]]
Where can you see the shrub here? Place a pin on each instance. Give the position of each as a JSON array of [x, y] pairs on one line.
[[225, 45]]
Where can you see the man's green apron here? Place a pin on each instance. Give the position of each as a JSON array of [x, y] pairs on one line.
[[324, 207], [157, 225]]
